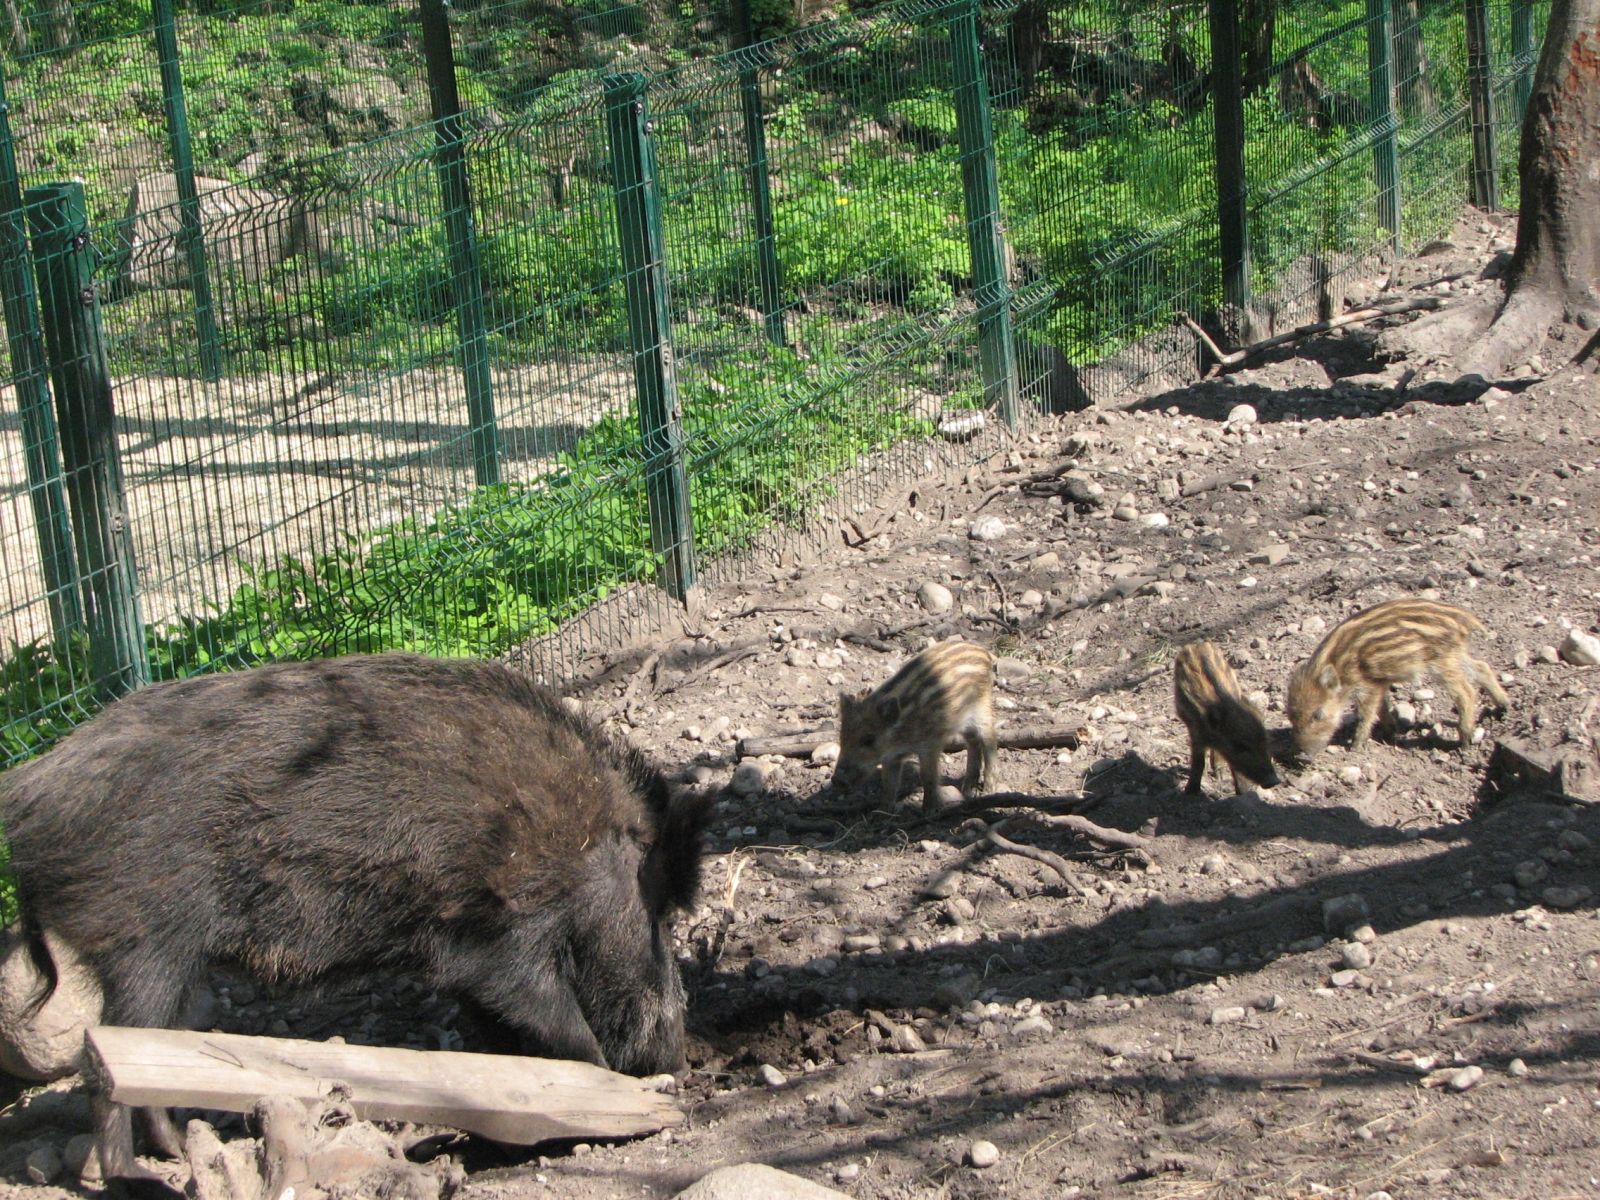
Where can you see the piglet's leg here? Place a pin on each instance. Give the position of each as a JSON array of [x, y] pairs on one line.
[[1369, 701]]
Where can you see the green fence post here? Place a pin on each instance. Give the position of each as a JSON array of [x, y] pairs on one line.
[[639, 233], [1523, 52], [768, 277], [191, 237], [466, 268], [1380, 99], [1233, 225], [82, 385], [980, 186], [1480, 91], [40, 451]]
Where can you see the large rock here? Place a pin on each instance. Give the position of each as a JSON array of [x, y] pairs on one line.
[[750, 1180], [45, 1043], [247, 231]]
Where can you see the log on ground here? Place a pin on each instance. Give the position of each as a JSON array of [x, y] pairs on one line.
[[507, 1098]]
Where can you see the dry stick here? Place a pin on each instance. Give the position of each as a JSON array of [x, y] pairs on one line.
[[1354, 317], [802, 743], [1115, 838], [628, 696], [1054, 861]]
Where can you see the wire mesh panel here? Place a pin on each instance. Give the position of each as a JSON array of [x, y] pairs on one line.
[[1107, 178], [380, 381]]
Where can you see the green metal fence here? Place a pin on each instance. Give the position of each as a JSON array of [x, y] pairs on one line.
[[377, 325]]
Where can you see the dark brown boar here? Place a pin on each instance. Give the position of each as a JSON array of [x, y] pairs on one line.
[[1393, 642], [357, 818], [1211, 705]]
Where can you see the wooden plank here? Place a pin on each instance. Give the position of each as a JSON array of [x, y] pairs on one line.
[[521, 1101]]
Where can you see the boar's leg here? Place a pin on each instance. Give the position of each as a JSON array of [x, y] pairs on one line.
[[1197, 764], [1369, 702], [144, 987], [980, 777], [1455, 680], [930, 757], [1485, 675]]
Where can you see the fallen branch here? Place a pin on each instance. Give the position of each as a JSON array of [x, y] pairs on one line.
[[802, 743], [1054, 861], [647, 667], [1114, 838], [1354, 317]]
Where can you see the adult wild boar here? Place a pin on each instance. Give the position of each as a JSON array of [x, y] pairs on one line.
[[360, 817]]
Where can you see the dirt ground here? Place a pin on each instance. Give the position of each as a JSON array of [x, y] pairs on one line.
[[873, 991]]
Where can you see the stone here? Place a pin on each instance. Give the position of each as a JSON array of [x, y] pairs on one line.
[[1031, 1025], [962, 426], [935, 597], [907, 1040], [1342, 912], [987, 529], [982, 1154], [1517, 1069], [1467, 1077], [1270, 555], [1012, 670], [1356, 956], [831, 602], [747, 1180], [1581, 649], [771, 1076], [43, 1164], [1155, 520], [1227, 1016], [749, 777], [1241, 415], [825, 752], [1548, 655], [1048, 561], [1031, 598], [1345, 979], [80, 1158], [1168, 490], [1565, 897], [1530, 871]]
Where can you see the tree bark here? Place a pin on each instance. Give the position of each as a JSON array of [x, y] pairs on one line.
[[1554, 276], [1257, 23], [1417, 99]]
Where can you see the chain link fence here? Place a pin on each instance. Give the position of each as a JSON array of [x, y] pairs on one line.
[[345, 326]]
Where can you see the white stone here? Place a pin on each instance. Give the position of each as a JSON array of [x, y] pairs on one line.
[[987, 529], [1581, 649], [825, 752], [982, 1154], [1241, 414], [748, 1180], [1356, 956], [935, 597], [771, 1076], [1155, 520], [1228, 1015], [1467, 1077]]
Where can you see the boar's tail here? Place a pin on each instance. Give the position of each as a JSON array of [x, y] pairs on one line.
[[44, 966]]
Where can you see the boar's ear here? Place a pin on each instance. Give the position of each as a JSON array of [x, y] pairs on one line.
[[889, 708], [1328, 677], [674, 860]]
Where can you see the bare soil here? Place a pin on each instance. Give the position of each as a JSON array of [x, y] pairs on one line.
[[1199, 1021]]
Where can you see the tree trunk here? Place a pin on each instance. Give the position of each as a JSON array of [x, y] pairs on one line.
[[1554, 275], [19, 28], [1417, 100], [1030, 27], [1257, 20]]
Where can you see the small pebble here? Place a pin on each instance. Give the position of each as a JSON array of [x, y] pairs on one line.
[[935, 597], [1227, 1016], [987, 529], [1517, 1069], [1356, 956], [1467, 1077], [1581, 649], [771, 1076]]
